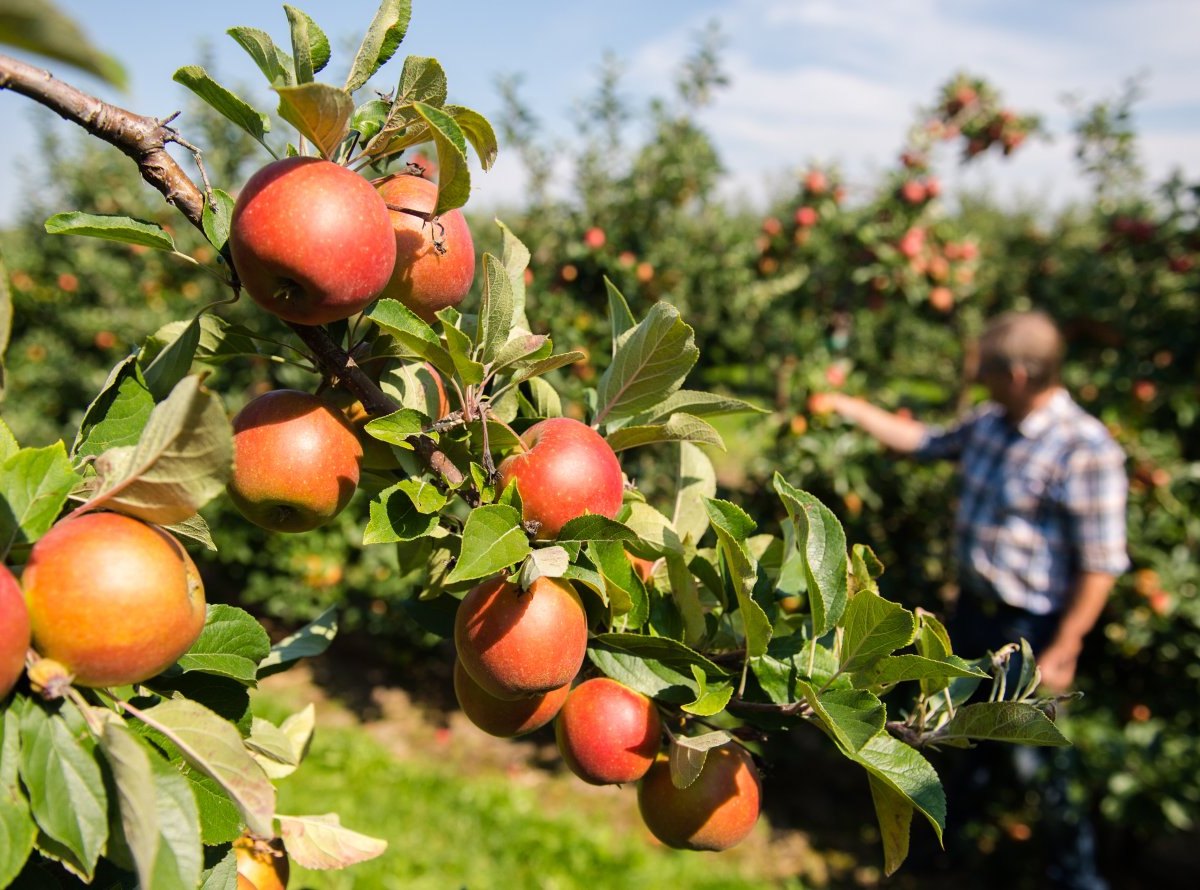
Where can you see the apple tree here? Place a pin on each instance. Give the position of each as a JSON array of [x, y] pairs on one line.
[[129, 750]]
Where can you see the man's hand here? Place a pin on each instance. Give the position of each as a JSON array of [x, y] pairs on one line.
[[1057, 664]]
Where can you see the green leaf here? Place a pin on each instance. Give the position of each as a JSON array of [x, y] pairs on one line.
[[194, 529], [495, 309], [232, 107], [852, 716], [934, 643], [6, 317], [310, 46], [460, 348], [626, 593], [421, 80], [308, 642], [118, 414], [66, 790], [173, 362], [214, 747], [321, 842], [790, 660], [653, 528], [687, 754], [493, 539], [907, 773], [216, 219], [619, 314], [874, 627], [158, 818], [661, 649], [710, 701], [894, 812], [395, 428], [273, 62], [123, 229], [220, 821], [223, 874], [685, 594], [592, 580], [39, 26], [522, 347], [380, 43], [695, 482], [320, 112], [1020, 723], [678, 428], [394, 318], [404, 512], [899, 668], [733, 528], [183, 459], [593, 527], [34, 485], [651, 361], [280, 750], [543, 366], [454, 179], [698, 404], [8, 442], [515, 256], [220, 341], [544, 562], [368, 119], [231, 644], [822, 542], [658, 667], [479, 133], [17, 828]]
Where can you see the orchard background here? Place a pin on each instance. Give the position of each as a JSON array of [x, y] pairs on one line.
[[871, 286]]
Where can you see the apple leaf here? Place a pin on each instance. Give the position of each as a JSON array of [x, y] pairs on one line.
[[873, 628], [678, 428], [182, 460], [411, 331], [214, 746], [34, 486], [222, 875], [309, 641], [159, 823], [658, 667], [686, 596], [66, 789], [544, 562], [454, 179], [653, 528], [379, 44], [310, 46], [651, 361], [422, 80], [495, 309], [688, 753], [320, 112], [851, 716], [515, 256], [404, 512], [592, 527], [320, 842], [232, 107], [627, 595], [17, 828], [695, 482], [194, 529], [698, 404], [1020, 723], [273, 62], [273, 749], [231, 644], [791, 659], [619, 313], [822, 542], [545, 365], [492, 539], [710, 701], [123, 229], [733, 528], [479, 133], [523, 347], [905, 772], [898, 668], [173, 362], [894, 813], [395, 428], [216, 219], [6, 317], [118, 414], [932, 642]]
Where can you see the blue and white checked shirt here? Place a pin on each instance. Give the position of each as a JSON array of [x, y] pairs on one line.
[[1040, 502]]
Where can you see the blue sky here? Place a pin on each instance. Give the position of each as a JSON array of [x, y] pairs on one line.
[[811, 79]]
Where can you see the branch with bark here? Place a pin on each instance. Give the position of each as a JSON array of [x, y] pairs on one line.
[[144, 140]]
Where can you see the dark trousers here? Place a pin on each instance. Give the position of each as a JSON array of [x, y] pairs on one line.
[[977, 627]]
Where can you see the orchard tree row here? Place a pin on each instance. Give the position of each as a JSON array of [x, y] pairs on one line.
[[129, 748]]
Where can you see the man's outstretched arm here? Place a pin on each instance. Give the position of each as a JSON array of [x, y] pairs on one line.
[[902, 434]]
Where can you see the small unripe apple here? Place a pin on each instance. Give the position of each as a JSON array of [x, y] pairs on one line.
[[717, 811], [505, 718], [435, 258], [311, 241], [116, 601], [607, 733], [567, 470], [516, 643], [296, 461], [14, 631], [264, 864]]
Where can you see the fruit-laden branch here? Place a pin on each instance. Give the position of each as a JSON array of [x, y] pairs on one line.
[[145, 140]]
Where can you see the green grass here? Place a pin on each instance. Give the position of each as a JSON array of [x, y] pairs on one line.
[[452, 826]]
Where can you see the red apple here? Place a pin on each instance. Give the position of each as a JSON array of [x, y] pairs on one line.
[[715, 812], [14, 631], [311, 241], [516, 643], [772, 226], [816, 182], [594, 238], [941, 298], [913, 191], [435, 259], [505, 718], [296, 461], [567, 470], [607, 733], [114, 600], [806, 217]]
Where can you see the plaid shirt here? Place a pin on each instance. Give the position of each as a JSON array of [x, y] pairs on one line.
[[1040, 503]]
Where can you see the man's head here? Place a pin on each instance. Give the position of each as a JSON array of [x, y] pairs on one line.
[[1020, 358]]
